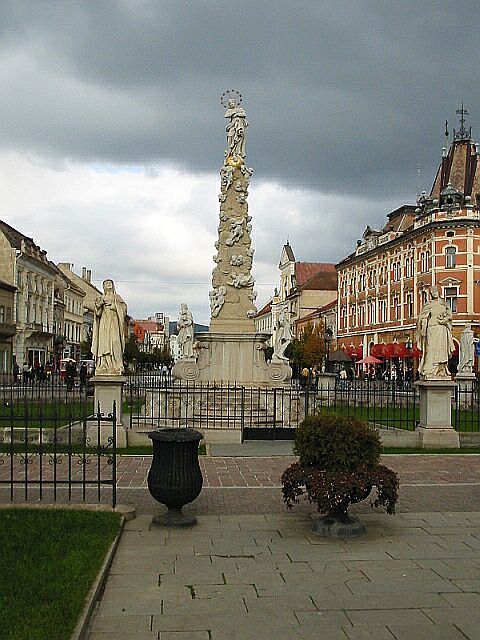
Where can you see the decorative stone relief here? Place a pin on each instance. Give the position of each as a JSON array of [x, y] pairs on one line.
[[239, 280], [217, 300], [226, 173], [236, 261], [236, 232]]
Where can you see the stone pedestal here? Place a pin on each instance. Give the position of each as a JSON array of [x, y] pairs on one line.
[[465, 381], [326, 387], [238, 358], [435, 428], [108, 389]]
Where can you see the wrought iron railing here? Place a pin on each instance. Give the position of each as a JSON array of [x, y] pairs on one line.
[[54, 445]]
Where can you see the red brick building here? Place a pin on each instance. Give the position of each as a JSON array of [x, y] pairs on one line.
[[383, 284]]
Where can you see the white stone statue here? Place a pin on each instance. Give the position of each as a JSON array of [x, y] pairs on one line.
[[236, 130], [185, 333], [217, 300], [283, 337], [467, 350], [108, 342], [434, 338]]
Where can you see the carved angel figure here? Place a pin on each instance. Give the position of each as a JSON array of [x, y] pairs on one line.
[[217, 300], [226, 173], [236, 232]]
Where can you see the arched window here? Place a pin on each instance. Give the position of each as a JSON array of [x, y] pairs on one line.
[[450, 258]]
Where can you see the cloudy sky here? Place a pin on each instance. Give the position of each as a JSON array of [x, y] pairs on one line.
[[112, 133]]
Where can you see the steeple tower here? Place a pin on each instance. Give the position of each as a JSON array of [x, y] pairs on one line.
[[460, 165]]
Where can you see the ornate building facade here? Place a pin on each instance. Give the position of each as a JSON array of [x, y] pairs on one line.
[[384, 283], [25, 265]]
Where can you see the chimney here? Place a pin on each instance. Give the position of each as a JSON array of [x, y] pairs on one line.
[[89, 275], [84, 273]]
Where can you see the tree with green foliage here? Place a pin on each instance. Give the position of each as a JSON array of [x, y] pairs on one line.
[[131, 351], [308, 349], [86, 346]]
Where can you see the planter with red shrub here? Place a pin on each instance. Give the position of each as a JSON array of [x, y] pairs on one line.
[[339, 464]]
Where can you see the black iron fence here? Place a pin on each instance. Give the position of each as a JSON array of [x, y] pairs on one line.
[[53, 444], [466, 406], [263, 413]]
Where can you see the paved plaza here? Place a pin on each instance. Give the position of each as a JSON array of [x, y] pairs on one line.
[[251, 569]]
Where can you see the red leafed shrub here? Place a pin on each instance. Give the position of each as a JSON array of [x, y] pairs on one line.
[[339, 465]]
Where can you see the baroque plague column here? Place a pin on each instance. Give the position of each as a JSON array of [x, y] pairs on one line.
[[232, 351]]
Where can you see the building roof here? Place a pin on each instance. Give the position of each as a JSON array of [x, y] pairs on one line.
[[460, 168], [21, 242], [265, 310], [150, 325], [305, 271], [324, 278], [14, 237], [71, 284], [289, 251]]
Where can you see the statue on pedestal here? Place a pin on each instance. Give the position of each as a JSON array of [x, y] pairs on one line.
[[467, 350], [236, 130], [108, 342], [283, 337], [434, 338], [185, 330]]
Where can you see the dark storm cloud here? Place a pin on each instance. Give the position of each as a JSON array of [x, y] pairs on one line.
[[342, 97]]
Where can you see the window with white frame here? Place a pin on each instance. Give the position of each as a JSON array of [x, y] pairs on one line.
[[450, 295], [450, 257], [425, 261], [361, 315], [382, 310], [409, 304]]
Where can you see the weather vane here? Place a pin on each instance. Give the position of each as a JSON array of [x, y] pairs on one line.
[[230, 94], [462, 134]]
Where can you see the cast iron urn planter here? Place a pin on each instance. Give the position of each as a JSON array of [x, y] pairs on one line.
[[175, 478]]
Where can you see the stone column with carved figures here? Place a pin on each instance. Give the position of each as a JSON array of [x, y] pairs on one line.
[[232, 351]]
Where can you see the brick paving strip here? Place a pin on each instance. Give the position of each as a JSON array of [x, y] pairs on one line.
[[412, 576], [253, 472]]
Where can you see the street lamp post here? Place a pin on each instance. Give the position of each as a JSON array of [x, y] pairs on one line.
[[328, 335]]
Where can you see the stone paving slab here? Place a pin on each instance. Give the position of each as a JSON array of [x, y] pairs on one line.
[[383, 585]]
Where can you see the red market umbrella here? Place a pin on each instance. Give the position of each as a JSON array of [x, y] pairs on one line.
[[370, 360]]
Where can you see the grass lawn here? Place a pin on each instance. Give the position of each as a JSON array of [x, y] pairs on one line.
[[54, 413], [404, 417], [48, 563]]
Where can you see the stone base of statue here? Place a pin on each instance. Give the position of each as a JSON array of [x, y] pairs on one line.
[[435, 429], [325, 385], [107, 390], [233, 358], [465, 381], [186, 369]]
